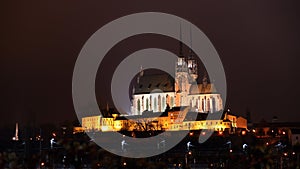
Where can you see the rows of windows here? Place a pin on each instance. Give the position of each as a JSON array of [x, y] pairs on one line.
[[159, 103], [206, 104]]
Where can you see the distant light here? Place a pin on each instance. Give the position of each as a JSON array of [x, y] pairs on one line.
[[220, 132], [267, 143], [191, 133], [190, 153], [104, 128], [283, 132], [124, 163], [42, 163], [203, 133], [293, 153], [243, 132], [285, 154], [253, 130], [230, 150], [53, 134]]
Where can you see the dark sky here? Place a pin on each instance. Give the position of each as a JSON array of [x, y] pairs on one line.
[[258, 43]]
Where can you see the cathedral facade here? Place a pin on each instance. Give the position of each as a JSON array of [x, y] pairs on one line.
[[158, 92]]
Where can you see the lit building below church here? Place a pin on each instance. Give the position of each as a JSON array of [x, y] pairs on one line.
[[175, 119]]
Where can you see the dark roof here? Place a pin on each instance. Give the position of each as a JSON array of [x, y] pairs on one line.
[[121, 118], [145, 114], [148, 83]]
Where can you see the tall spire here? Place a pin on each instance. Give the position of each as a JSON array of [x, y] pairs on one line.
[[191, 43], [180, 42]]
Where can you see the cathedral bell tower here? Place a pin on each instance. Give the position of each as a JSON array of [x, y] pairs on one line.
[[185, 73], [192, 62]]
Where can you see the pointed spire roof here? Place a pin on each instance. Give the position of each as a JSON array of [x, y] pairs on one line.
[[180, 42], [191, 44]]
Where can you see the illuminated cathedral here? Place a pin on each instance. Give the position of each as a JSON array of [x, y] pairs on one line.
[[161, 102], [157, 92]]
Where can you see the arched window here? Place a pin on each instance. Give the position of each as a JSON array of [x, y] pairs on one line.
[[142, 103], [208, 104], [147, 104], [155, 104], [159, 103], [150, 104], [203, 105], [213, 108], [163, 103], [139, 106]]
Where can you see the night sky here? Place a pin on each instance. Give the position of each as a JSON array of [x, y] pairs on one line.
[[258, 43]]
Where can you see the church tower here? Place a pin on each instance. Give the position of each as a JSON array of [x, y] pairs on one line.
[[192, 62], [183, 77]]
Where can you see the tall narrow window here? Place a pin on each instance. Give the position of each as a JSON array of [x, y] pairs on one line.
[[155, 104], [147, 104], [159, 103], [143, 104], [203, 105], [150, 104], [213, 109], [208, 104], [139, 106]]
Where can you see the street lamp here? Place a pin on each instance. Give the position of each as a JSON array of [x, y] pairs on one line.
[[51, 143]]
